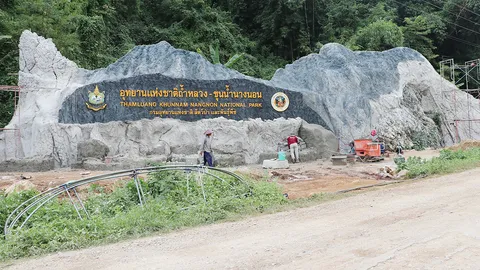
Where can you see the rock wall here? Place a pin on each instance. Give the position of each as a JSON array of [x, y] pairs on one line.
[[136, 143], [397, 92], [235, 142]]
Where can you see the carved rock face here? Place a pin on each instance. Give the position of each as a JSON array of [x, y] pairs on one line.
[[396, 92], [92, 149]]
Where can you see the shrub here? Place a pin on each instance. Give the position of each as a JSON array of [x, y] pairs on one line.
[[173, 200], [448, 162]]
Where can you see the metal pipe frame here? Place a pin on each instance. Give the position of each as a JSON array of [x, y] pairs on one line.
[[74, 205], [28, 203], [80, 201], [39, 200]]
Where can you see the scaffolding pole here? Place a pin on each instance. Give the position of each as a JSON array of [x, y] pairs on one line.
[[16, 90], [468, 75]]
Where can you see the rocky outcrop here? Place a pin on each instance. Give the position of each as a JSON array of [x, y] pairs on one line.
[[137, 143], [396, 92], [92, 149], [47, 79], [320, 141]]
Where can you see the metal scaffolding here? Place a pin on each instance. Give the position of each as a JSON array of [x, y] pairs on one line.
[[198, 174], [16, 90], [467, 78]]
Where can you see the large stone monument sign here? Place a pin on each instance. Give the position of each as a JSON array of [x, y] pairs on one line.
[[152, 105], [155, 102], [155, 95]]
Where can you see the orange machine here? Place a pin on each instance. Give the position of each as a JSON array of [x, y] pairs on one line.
[[366, 149]]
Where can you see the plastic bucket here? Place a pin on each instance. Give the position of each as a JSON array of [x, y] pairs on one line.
[[281, 155]]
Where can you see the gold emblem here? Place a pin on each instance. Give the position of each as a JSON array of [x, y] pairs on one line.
[[280, 101], [96, 100]]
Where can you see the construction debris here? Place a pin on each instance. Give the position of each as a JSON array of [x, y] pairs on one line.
[[20, 186], [275, 164], [386, 173], [339, 160]]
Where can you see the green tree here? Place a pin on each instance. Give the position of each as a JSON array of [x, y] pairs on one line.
[[378, 36], [342, 21], [416, 32], [6, 108], [462, 40], [283, 28], [381, 12], [8, 67], [93, 42], [215, 56]]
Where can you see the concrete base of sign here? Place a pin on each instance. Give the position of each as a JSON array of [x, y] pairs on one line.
[[275, 164]]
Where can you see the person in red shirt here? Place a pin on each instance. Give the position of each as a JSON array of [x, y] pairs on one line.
[[293, 142]]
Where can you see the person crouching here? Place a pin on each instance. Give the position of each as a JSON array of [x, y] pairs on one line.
[[293, 142]]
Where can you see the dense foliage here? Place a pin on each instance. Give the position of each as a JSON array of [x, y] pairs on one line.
[[448, 162], [268, 34], [173, 202]]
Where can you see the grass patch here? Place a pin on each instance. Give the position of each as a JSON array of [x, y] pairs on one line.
[[448, 162], [173, 202]]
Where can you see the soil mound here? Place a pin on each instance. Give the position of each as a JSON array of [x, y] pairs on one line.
[[465, 145]]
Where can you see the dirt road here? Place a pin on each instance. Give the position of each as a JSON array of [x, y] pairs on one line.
[[430, 224]]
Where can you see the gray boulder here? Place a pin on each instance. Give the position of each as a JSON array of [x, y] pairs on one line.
[[92, 149], [162, 148], [319, 140]]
